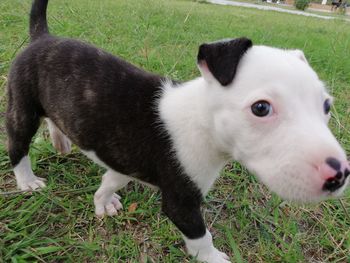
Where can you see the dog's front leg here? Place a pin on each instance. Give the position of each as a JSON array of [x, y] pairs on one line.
[[184, 212]]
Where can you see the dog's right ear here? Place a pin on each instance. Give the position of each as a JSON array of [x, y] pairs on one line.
[[219, 60], [299, 54]]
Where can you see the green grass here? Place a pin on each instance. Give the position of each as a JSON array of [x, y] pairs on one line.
[[247, 221]]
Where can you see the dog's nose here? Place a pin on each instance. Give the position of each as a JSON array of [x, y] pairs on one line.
[[335, 172]]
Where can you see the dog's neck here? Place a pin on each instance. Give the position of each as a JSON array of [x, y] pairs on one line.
[[185, 111]]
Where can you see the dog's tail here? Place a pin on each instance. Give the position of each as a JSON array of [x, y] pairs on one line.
[[38, 23]]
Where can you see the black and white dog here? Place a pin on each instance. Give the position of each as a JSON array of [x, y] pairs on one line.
[[262, 106]]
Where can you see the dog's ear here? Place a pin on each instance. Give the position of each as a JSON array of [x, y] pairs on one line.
[[219, 60], [299, 54]]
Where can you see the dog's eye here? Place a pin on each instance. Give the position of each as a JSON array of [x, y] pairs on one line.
[[261, 108], [327, 106]]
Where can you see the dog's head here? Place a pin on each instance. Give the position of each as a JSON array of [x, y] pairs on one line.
[[270, 112]]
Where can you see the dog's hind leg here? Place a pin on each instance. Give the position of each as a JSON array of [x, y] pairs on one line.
[[105, 199], [59, 140], [22, 122]]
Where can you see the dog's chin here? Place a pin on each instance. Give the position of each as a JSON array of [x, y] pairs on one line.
[[297, 191], [306, 188], [303, 196]]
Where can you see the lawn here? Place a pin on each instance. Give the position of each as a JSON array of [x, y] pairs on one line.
[[247, 221]]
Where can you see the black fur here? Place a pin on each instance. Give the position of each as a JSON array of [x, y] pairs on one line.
[[103, 104], [222, 57]]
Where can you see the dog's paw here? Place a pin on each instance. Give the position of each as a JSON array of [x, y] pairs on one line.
[[204, 251], [31, 183], [59, 140], [107, 206], [213, 256], [61, 143]]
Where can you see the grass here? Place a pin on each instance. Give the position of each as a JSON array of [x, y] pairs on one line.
[[247, 221]]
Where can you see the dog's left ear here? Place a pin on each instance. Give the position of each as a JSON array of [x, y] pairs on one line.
[[219, 60]]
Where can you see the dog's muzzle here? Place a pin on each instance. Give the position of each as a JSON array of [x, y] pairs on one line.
[[337, 180]]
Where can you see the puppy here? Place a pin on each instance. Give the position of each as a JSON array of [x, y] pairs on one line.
[[262, 106]]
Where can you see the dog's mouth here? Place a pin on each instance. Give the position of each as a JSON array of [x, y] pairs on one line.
[[306, 188], [303, 182], [312, 194]]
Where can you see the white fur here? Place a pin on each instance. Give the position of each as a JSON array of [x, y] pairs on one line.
[[105, 199], [26, 180], [59, 140], [211, 124], [92, 155], [186, 115], [204, 250]]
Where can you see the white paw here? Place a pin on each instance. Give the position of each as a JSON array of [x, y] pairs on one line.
[[203, 249], [31, 183], [107, 206], [213, 256], [61, 143]]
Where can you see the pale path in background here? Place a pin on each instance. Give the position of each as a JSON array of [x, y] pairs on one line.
[[270, 8]]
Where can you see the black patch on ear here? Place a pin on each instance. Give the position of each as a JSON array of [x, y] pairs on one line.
[[223, 57]]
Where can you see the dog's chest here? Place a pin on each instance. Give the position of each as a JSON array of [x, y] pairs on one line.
[[191, 141]]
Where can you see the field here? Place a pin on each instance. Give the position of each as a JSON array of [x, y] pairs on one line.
[[246, 220]]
